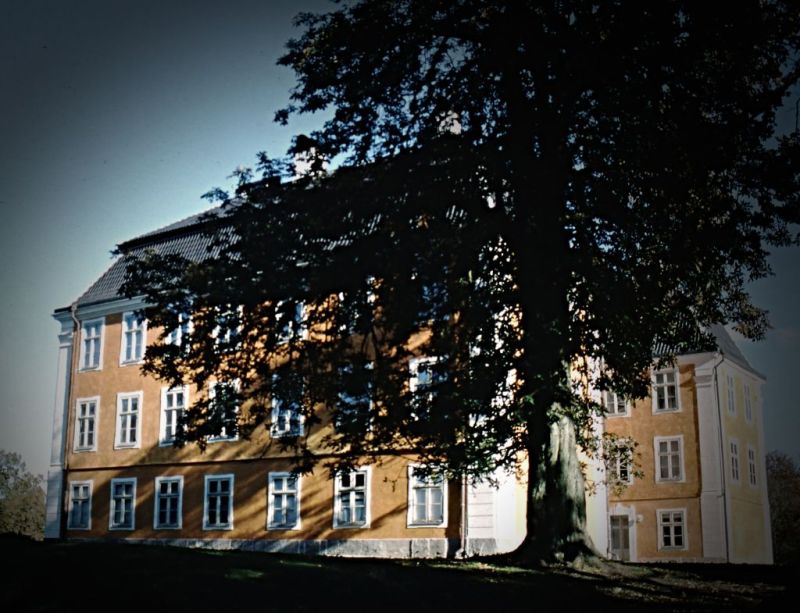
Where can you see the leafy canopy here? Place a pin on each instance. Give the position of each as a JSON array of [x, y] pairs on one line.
[[22, 505], [524, 186]]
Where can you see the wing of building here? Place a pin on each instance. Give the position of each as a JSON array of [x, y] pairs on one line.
[[114, 473], [699, 490]]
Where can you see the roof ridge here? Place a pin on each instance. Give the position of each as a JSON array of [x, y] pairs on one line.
[[182, 224]]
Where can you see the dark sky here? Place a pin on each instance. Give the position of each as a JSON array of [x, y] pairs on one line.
[[115, 116]]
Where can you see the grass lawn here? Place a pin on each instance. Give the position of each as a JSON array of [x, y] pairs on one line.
[[114, 577]]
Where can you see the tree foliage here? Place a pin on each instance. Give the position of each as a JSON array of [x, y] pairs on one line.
[[783, 482], [526, 188], [21, 498]]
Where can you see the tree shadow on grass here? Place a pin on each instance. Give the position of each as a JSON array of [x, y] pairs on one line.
[[94, 576]]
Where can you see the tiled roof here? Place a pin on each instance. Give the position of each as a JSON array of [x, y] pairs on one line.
[[696, 344], [174, 228], [728, 348], [189, 237], [721, 342], [193, 245]]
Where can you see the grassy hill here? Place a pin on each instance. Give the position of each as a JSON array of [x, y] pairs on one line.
[[115, 577]]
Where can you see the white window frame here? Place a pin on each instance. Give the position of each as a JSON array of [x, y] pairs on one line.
[[226, 338], [413, 370], [731, 390], [272, 492], [276, 407], [337, 506], [349, 327], [118, 442], [415, 483], [158, 496], [748, 404], [298, 326], [615, 470], [82, 365], [218, 526], [675, 371], [123, 345], [752, 472], [70, 514], [112, 506], [175, 336], [668, 439], [661, 524], [163, 441], [341, 396], [611, 399], [413, 380], [733, 458], [223, 436], [77, 445]]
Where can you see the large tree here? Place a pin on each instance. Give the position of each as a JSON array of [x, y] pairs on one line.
[[783, 483], [21, 498], [525, 189]]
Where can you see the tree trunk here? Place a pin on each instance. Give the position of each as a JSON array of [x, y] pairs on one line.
[[556, 505], [540, 169]]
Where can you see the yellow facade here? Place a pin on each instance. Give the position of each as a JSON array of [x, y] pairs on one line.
[[250, 463], [745, 493], [720, 502], [693, 500]]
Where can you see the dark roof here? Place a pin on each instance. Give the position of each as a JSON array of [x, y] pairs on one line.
[[721, 341], [192, 242], [177, 228], [191, 239], [728, 348], [697, 343]]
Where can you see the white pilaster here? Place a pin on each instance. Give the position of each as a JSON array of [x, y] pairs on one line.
[[712, 495], [762, 476], [55, 474], [597, 497]]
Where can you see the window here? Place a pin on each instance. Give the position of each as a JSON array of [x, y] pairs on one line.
[[669, 458], [620, 471], [122, 514], [665, 391], [615, 405], [354, 404], [168, 511], [290, 321], [351, 499], [177, 334], [427, 499], [173, 404], [731, 396], [425, 376], [734, 448], [433, 297], [91, 344], [86, 424], [128, 411], [287, 399], [134, 336], [751, 465], [227, 332], [80, 505], [353, 316], [672, 528], [218, 503], [748, 404], [284, 502], [223, 410]]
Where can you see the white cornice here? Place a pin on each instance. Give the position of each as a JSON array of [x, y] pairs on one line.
[[101, 309], [732, 364]]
